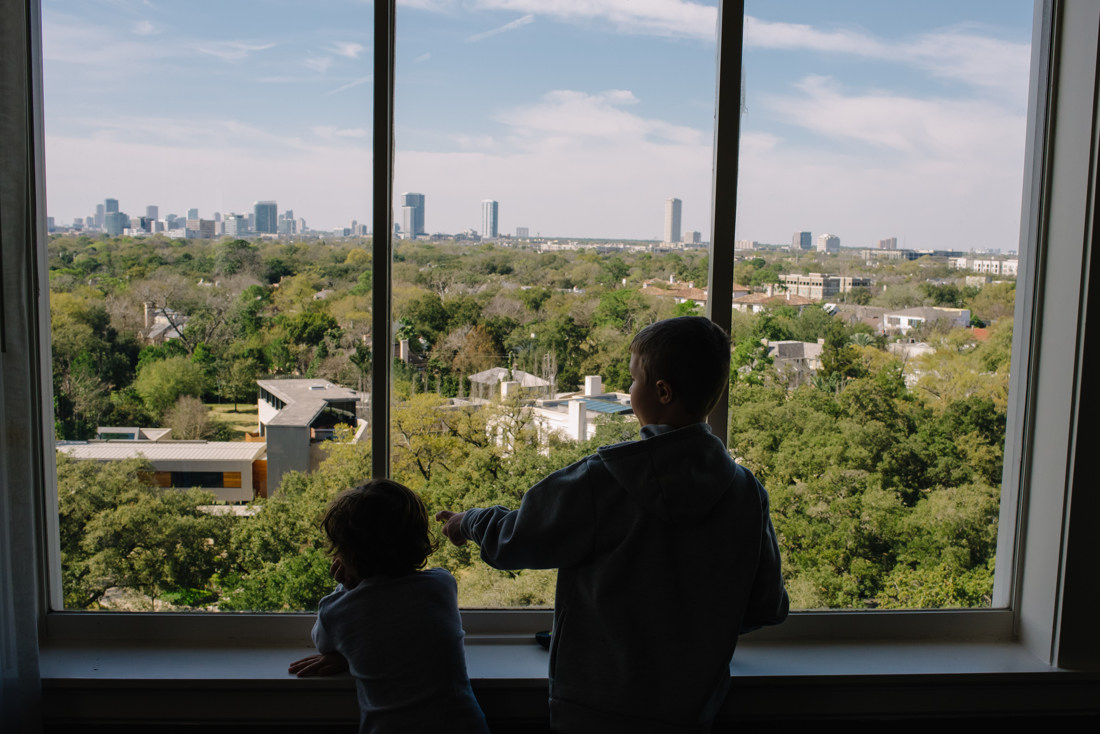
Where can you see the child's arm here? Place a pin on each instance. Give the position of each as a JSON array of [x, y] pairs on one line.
[[554, 527], [768, 602], [327, 661]]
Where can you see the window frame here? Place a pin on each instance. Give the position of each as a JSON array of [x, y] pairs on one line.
[[1045, 589]]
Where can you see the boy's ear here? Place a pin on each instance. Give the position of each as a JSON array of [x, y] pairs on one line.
[[664, 392]]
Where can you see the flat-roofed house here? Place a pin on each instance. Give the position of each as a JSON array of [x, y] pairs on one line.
[[225, 468], [295, 415]]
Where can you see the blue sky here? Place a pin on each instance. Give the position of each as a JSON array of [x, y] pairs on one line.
[[863, 119]]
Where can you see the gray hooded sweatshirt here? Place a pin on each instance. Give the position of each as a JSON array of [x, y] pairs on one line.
[[666, 553]]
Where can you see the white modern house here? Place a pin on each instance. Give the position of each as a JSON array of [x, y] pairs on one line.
[[233, 470], [295, 416]]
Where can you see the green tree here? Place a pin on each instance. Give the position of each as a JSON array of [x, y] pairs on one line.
[[161, 383]]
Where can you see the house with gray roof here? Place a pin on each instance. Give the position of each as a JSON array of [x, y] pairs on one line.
[[296, 416]]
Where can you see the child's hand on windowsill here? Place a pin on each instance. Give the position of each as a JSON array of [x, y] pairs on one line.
[[329, 663]]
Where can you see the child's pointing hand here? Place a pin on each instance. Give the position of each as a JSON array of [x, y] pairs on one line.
[[452, 525]]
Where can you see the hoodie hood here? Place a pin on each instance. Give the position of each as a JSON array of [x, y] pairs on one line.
[[674, 474]]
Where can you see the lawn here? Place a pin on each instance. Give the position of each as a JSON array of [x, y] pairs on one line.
[[242, 420]]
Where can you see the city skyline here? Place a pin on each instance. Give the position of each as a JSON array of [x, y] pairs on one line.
[[801, 240], [865, 117]]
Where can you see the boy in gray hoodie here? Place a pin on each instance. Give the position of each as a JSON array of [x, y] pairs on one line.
[[664, 547]]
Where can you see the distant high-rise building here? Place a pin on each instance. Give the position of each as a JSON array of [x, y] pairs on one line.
[[412, 214], [890, 243], [693, 237], [115, 222], [110, 205], [193, 213], [672, 220], [100, 213], [267, 217], [523, 233], [203, 228], [828, 243], [236, 225], [152, 212], [490, 220], [802, 241], [745, 245]]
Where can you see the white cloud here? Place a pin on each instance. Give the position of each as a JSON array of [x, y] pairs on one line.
[[953, 53], [939, 173], [347, 49], [592, 119], [644, 17], [144, 28], [351, 85], [231, 50], [320, 64], [331, 132], [928, 128], [517, 23], [423, 57]]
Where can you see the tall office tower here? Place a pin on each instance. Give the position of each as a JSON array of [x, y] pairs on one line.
[[110, 205], [100, 213], [193, 213], [672, 220], [115, 222], [890, 243], [267, 217], [412, 214], [802, 241], [523, 233], [288, 214], [828, 243], [236, 225], [489, 218], [152, 212]]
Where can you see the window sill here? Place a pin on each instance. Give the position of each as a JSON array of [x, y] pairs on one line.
[[247, 682]]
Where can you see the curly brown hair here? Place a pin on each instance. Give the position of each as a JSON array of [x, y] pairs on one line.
[[379, 528]]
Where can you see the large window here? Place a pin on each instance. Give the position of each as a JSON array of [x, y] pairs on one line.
[[543, 210]]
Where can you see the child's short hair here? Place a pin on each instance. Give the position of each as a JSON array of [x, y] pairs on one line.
[[691, 353], [379, 528]]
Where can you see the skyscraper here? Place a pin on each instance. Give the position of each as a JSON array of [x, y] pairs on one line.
[[412, 214], [828, 243], [890, 243], [490, 221], [193, 213], [110, 205], [267, 217], [152, 212], [672, 220], [100, 215], [802, 241]]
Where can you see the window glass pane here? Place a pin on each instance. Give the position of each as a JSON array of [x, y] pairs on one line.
[[208, 194], [878, 221], [552, 188]]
